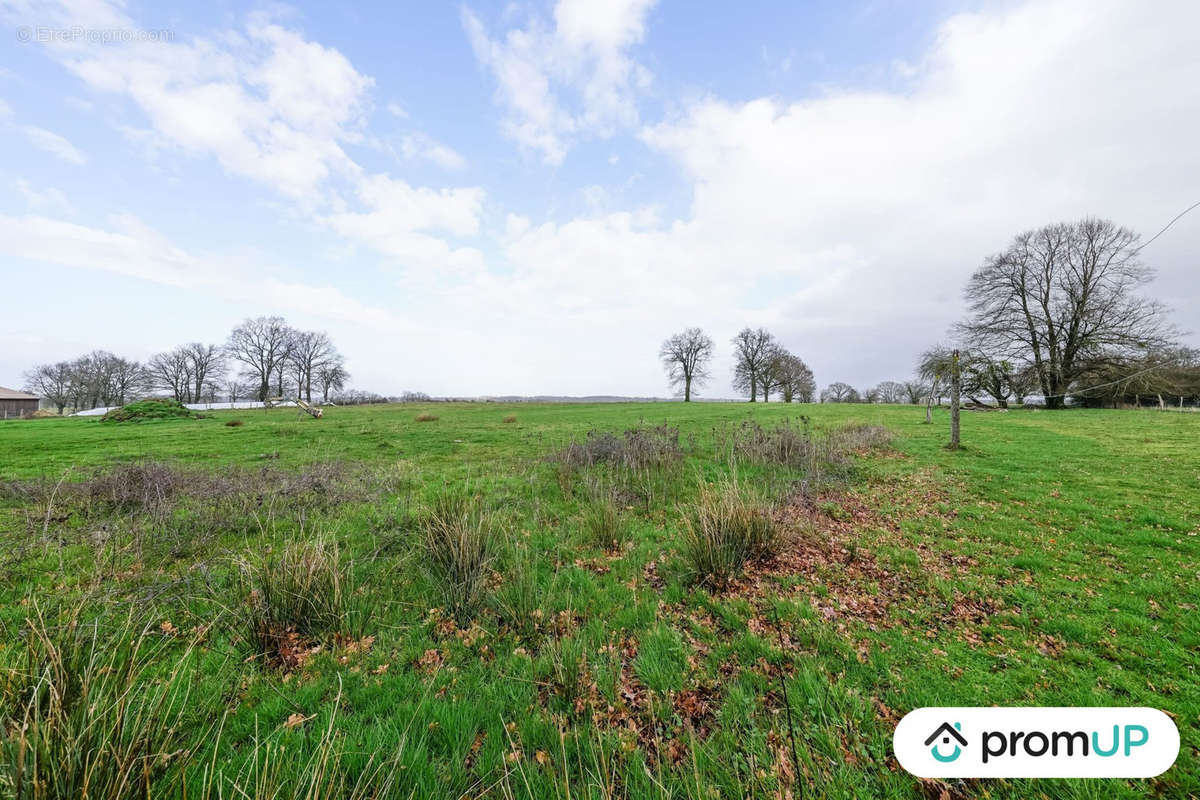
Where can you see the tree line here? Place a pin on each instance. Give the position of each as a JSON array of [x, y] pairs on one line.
[[263, 357], [762, 366]]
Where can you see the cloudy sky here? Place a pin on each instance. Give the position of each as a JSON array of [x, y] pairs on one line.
[[527, 198]]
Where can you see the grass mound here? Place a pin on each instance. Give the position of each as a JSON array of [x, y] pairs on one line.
[[153, 408]]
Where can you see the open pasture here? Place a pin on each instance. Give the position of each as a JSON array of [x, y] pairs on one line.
[[626, 600]]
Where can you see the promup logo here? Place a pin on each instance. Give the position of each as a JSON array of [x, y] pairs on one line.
[[947, 732], [1036, 742]]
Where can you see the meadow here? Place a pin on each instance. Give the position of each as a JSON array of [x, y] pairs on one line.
[[581, 601]]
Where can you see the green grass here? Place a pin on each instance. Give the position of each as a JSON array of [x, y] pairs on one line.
[[1055, 560]]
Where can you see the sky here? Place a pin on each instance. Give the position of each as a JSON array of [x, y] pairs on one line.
[[527, 198]]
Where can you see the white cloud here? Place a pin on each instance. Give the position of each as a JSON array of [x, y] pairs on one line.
[[54, 144], [45, 198], [131, 248], [278, 109], [585, 56], [420, 147], [267, 104]]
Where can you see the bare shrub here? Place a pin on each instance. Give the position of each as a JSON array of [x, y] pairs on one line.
[[458, 539], [146, 487], [638, 448], [724, 529]]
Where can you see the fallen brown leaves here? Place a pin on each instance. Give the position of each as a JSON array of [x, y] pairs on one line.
[[831, 544]]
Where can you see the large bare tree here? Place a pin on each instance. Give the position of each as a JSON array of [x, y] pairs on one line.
[[1064, 298], [206, 366], [51, 382], [686, 356], [753, 350], [792, 377], [310, 351], [332, 377], [839, 392], [262, 346]]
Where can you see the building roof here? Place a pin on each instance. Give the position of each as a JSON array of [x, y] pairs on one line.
[[13, 394]]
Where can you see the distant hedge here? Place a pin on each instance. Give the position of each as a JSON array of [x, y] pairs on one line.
[[149, 409]]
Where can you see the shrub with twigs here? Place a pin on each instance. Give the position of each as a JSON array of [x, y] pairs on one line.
[[724, 529]]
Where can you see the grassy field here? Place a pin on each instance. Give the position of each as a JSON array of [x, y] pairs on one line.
[[370, 605]]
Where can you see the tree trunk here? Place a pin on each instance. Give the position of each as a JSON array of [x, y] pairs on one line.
[[955, 397], [687, 389]]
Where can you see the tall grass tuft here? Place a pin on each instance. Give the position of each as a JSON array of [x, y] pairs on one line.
[[93, 713], [604, 525], [459, 540], [302, 594], [724, 529]]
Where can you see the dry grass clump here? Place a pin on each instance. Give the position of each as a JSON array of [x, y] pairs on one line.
[[605, 526], [92, 713], [295, 598], [725, 528], [234, 423], [817, 454], [860, 437], [508, 420], [425, 416], [459, 539]]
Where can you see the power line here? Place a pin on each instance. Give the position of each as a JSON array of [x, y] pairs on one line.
[[1168, 225]]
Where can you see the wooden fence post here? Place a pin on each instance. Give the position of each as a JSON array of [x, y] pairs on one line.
[[955, 396]]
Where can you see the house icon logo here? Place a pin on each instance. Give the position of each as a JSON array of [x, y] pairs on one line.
[[946, 732]]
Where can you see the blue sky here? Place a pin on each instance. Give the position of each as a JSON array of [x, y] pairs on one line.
[[527, 197]]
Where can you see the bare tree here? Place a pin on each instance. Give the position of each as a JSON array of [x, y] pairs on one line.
[[206, 366], [262, 345], [915, 392], [235, 389], [51, 382], [889, 392], [170, 371], [686, 356], [753, 350], [793, 377], [331, 377], [1064, 299], [839, 392], [309, 353], [101, 378]]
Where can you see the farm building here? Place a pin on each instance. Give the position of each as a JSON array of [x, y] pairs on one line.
[[16, 404]]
